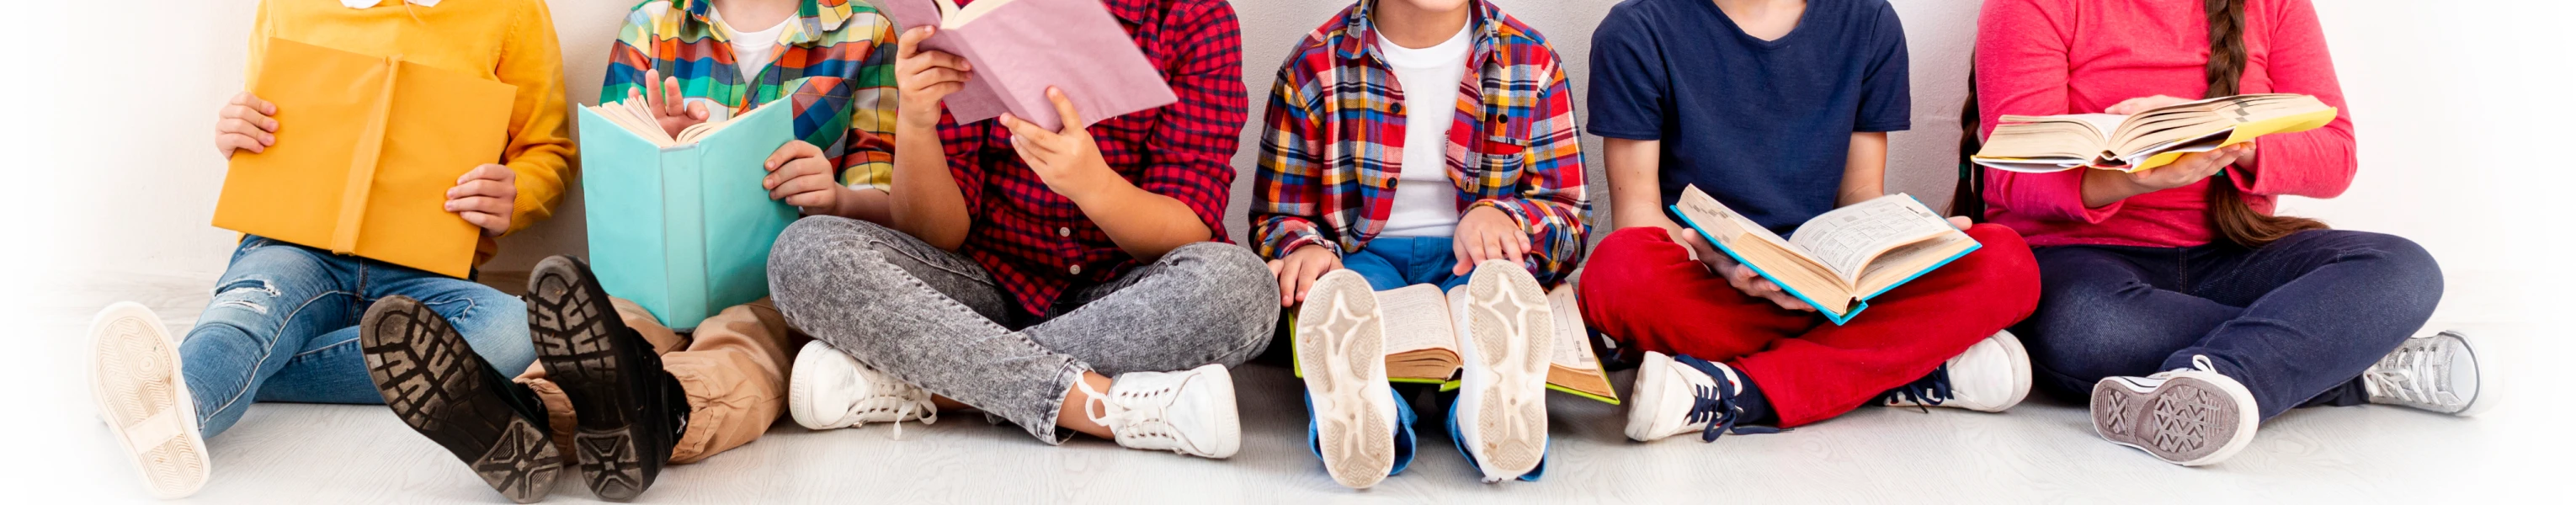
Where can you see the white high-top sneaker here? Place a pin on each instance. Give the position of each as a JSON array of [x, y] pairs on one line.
[[2438, 372], [135, 377], [1992, 375], [1502, 395], [2190, 417], [1190, 412], [1673, 397], [828, 389], [1341, 353]]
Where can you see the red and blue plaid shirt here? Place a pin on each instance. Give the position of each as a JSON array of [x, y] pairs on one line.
[[1335, 142], [1036, 243]]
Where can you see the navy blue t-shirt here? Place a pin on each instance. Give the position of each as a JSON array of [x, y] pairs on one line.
[[1764, 126]]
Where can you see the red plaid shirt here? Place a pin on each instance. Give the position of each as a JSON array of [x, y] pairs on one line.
[[1036, 243]]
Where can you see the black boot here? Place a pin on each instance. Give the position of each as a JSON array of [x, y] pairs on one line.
[[630, 410], [440, 387]]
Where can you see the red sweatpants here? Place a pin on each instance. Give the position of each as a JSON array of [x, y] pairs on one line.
[[1644, 290]]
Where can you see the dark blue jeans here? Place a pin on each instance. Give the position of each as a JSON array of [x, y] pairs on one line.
[[2296, 321]]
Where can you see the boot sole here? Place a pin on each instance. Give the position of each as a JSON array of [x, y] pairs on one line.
[[435, 383], [1341, 352], [1509, 319], [569, 319], [136, 380], [2186, 420]]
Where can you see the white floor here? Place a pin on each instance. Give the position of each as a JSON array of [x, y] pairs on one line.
[[2041, 451]]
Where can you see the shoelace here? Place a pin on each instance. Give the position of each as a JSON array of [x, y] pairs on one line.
[[911, 402], [1124, 420], [1715, 405], [1926, 392], [2395, 375]]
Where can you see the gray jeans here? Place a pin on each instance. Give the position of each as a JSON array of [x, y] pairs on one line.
[[935, 319]]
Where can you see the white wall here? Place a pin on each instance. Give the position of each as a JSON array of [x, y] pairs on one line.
[[2460, 107]]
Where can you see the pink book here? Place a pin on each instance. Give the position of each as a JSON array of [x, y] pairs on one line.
[[1020, 47]]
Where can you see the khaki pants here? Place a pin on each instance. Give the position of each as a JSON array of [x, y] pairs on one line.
[[734, 370]]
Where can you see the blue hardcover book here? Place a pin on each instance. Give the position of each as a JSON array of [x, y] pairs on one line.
[[1839, 260], [680, 224]]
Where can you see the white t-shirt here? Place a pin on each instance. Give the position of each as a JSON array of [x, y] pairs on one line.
[[752, 50], [1426, 202]]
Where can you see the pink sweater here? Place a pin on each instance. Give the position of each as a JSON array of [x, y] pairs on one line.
[[2043, 57]]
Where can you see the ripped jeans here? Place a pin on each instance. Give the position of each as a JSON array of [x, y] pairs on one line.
[[283, 327]]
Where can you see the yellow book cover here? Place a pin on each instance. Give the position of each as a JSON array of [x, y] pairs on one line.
[[367, 149]]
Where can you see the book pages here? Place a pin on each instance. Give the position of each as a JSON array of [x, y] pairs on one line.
[[1846, 239], [1417, 318]]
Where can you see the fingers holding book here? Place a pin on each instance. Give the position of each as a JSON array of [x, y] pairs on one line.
[[799, 175], [245, 124], [485, 197], [922, 78]]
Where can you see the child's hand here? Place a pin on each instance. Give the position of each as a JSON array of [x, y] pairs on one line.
[[485, 197], [1067, 160], [799, 175], [1486, 233], [1298, 271], [1752, 284], [245, 125], [2189, 168], [923, 77], [2142, 104], [1741, 277], [663, 98]]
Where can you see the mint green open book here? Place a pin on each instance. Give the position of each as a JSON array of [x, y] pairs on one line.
[[680, 224]]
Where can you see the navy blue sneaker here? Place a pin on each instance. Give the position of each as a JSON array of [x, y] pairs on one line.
[[1682, 394]]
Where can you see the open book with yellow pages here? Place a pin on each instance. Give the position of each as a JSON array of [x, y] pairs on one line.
[[2038, 144], [1422, 332], [377, 143], [1840, 259]]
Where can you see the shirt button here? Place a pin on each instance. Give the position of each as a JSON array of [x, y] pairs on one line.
[[1077, 269], [1063, 232]]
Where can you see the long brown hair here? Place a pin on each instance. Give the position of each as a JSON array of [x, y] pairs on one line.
[[2235, 220]]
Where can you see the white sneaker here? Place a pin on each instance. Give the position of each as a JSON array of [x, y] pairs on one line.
[[1341, 353], [1502, 398], [827, 389], [1189, 412], [2438, 372], [1992, 375], [2189, 417], [1672, 397], [135, 377]]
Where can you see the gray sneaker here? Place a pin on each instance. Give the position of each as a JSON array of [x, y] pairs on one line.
[[2188, 417], [2437, 372]]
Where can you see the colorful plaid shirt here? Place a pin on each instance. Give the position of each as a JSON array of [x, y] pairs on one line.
[[1335, 142], [830, 65], [1036, 243]]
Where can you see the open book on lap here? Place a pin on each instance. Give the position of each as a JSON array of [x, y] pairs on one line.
[[1422, 332], [2146, 140], [1019, 48], [1840, 259]]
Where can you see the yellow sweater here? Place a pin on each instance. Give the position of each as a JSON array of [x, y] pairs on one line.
[[511, 41]]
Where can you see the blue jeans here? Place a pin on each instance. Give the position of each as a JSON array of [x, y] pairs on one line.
[[283, 327], [2296, 321], [1395, 262]]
